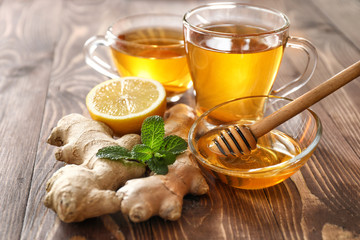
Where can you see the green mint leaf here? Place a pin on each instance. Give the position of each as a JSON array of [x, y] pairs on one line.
[[153, 132], [141, 152], [114, 153], [167, 158], [156, 166], [174, 144]]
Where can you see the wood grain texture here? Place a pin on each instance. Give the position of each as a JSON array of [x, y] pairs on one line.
[[342, 18], [329, 183], [43, 76], [25, 68]]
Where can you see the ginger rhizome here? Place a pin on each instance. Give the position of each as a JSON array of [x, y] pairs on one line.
[[163, 194], [89, 186], [86, 186]]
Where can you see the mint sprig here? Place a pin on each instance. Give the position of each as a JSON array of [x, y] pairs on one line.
[[156, 150]]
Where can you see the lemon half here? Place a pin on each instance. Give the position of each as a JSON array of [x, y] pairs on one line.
[[124, 103]]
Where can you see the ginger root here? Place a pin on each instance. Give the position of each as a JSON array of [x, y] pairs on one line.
[[163, 194], [86, 187]]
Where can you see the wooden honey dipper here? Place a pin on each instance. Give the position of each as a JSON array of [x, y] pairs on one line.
[[240, 139]]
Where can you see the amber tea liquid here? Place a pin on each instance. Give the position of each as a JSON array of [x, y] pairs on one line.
[[227, 68], [273, 148], [160, 56]]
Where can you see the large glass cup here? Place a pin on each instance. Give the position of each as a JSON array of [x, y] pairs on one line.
[[235, 50]]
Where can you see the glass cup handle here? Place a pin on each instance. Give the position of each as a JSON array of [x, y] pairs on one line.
[[94, 61], [310, 50]]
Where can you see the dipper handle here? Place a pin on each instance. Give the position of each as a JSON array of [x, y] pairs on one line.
[[293, 108], [238, 140]]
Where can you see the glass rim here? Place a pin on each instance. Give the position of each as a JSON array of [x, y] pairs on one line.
[[198, 29], [264, 170], [110, 35]]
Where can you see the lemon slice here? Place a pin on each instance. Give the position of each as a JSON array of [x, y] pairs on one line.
[[124, 103]]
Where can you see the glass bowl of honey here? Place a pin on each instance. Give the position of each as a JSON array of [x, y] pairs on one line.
[[278, 155]]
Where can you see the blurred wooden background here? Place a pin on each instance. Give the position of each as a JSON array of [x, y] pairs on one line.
[[43, 76]]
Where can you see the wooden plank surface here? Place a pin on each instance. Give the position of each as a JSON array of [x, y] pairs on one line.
[[342, 18], [327, 205], [25, 66], [43, 76]]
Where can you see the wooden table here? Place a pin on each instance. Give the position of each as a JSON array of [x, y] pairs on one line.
[[43, 76]]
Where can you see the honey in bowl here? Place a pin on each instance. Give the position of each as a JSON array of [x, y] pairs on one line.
[[274, 148], [278, 155], [155, 53]]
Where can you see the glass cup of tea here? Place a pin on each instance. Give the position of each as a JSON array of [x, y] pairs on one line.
[[148, 46], [235, 50]]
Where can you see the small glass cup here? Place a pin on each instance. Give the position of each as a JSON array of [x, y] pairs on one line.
[[279, 154], [148, 46], [235, 50]]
